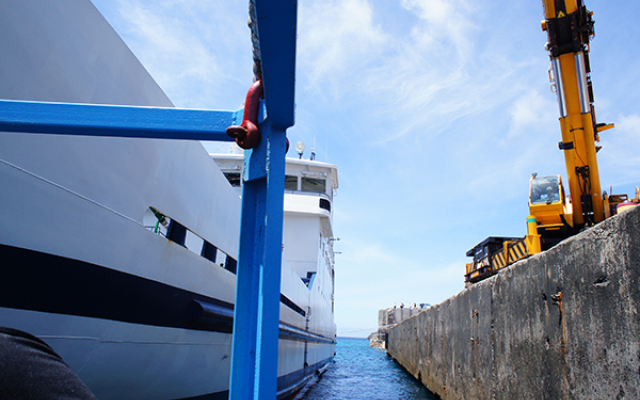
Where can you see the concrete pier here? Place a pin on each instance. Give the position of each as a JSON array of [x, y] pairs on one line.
[[563, 324]]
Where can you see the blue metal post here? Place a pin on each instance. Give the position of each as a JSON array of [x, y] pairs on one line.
[[254, 362], [257, 308]]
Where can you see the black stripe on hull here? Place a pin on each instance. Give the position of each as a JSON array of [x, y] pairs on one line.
[[38, 281]]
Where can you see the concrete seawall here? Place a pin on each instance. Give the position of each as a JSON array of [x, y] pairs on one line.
[[563, 324]]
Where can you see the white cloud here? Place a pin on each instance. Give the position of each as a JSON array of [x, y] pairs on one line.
[[391, 275], [336, 38], [443, 23], [530, 112], [422, 76], [619, 160], [432, 78], [194, 50]]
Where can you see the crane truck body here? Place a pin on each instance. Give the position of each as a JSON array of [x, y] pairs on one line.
[[553, 215]]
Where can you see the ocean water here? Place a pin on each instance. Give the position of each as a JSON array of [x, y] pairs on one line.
[[360, 372]]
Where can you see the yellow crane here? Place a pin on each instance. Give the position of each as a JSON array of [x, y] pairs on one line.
[[554, 216]]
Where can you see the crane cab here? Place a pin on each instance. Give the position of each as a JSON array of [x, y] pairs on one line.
[[551, 208]]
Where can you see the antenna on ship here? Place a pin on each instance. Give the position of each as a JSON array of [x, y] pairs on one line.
[[326, 148], [313, 150], [300, 149]]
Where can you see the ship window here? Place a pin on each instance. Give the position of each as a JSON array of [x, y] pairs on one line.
[[287, 302], [325, 204], [209, 251], [176, 232], [179, 234], [232, 265], [290, 182], [314, 185], [233, 178]]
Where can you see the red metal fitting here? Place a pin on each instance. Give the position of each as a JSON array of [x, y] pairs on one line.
[[247, 134]]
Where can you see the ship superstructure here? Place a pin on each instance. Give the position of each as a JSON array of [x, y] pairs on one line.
[[308, 235]]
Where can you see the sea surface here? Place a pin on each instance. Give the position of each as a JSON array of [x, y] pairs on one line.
[[362, 372]]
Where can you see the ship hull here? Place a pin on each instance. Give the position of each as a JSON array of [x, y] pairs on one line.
[[116, 302]]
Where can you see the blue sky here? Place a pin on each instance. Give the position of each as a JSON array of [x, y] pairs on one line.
[[436, 113]]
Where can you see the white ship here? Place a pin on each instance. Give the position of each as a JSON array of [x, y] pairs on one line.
[[121, 253]]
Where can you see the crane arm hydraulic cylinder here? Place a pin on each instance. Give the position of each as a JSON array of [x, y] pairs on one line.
[[569, 28]]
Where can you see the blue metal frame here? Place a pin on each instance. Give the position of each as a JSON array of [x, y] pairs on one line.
[[119, 121], [254, 363]]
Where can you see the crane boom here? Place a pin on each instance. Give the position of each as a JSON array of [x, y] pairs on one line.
[[569, 28]]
